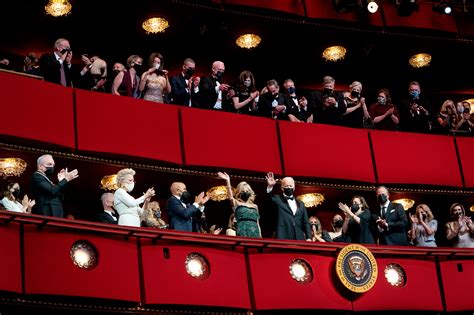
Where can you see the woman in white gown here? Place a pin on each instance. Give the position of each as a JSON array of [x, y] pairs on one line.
[[128, 207]]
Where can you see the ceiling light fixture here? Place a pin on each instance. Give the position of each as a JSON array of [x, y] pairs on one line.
[[405, 202], [12, 167], [109, 182], [155, 25], [58, 7], [248, 41], [218, 193], [372, 6], [334, 53], [311, 200], [420, 60]]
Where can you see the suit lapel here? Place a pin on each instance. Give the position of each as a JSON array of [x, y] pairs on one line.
[[287, 205]]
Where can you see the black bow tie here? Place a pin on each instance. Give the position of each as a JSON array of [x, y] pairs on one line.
[[294, 97], [289, 198]]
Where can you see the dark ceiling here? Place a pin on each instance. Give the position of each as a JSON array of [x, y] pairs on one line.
[[206, 31]]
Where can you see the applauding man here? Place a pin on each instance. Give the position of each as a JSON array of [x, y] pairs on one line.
[[48, 195]]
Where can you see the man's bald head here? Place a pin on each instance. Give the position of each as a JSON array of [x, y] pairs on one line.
[[177, 188]]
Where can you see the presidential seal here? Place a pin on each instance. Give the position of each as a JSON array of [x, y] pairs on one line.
[[356, 268]]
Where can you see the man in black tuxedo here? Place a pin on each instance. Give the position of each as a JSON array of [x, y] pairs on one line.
[[184, 86], [57, 67], [327, 106], [211, 91], [47, 194], [108, 215], [273, 104], [292, 218], [392, 222], [182, 215]]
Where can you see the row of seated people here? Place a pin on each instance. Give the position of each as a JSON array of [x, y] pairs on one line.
[[388, 225], [326, 106]]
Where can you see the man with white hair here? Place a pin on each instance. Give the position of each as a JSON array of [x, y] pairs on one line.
[[47, 194], [108, 215], [57, 67]]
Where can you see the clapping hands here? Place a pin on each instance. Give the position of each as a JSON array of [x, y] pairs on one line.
[[201, 199], [64, 174]]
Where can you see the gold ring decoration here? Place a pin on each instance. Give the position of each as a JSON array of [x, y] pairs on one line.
[[356, 267]]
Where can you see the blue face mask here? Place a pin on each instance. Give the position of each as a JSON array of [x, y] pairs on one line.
[[291, 90], [415, 94]]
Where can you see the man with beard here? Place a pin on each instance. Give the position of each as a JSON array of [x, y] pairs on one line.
[[48, 195], [182, 215]]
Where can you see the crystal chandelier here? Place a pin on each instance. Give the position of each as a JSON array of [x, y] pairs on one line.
[[311, 200], [248, 41], [420, 60], [58, 7], [109, 182], [334, 53], [155, 25], [12, 167]]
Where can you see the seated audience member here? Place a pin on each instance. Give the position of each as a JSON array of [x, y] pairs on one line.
[[423, 227], [465, 122], [108, 215], [415, 110], [154, 82], [56, 67], [328, 105], [273, 104], [246, 95], [460, 231], [127, 82], [48, 196], [185, 86], [356, 114], [383, 113], [336, 235], [316, 230], [183, 215], [12, 199], [300, 112], [127, 206], [5, 64], [231, 226], [93, 76], [152, 216], [245, 209], [206, 229], [211, 90], [30, 64], [358, 222], [447, 118]]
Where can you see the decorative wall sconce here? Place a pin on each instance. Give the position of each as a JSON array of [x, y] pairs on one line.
[[58, 7], [248, 41], [109, 182], [311, 200], [218, 193], [155, 25], [334, 53], [12, 167], [301, 271], [395, 275], [420, 60], [405, 202], [84, 255], [197, 266]]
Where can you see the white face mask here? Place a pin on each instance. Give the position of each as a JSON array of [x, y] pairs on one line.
[[157, 66], [129, 186]]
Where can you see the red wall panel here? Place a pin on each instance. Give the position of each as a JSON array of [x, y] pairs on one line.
[[166, 280], [229, 140], [458, 282], [10, 263], [409, 158], [421, 291], [314, 150], [123, 125], [37, 110], [466, 155], [275, 289], [50, 270]]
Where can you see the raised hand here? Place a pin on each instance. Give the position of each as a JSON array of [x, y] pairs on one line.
[[150, 193], [223, 175], [62, 174], [270, 179], [71, 175], [217, 231]]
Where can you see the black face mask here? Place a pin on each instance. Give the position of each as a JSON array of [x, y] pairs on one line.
[[219, 74], [16, 193], [338, 224], [382, 199], [49, 171], [115, 72], [327, 91], [189, 72], [185, 196], [288, 191], [138, 69], [245, 195], [423, 216], [315, 225], [355, 94], [355, 208], [291, 90]]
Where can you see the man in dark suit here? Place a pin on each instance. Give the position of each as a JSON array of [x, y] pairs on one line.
[[327, 106], [211, 91], [47, 194], [57, 67], [292, 218], [273, 104], [182, 215], [108, 215], [184, 86], [392, 222]]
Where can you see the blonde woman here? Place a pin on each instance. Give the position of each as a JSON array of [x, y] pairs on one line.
[[128, 207], [316, 229], [152, 216], [246, 211], [460, 231], [423, 226], [357, 111]]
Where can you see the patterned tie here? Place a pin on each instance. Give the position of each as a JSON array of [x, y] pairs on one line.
[[63, 75], [383, 212]]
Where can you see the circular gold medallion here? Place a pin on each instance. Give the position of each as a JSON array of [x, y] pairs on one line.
[[356, 267]]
